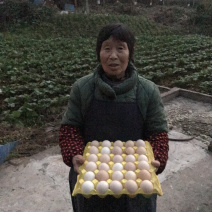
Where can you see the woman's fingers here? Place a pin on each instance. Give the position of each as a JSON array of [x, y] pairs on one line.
[[156, 164], [77, 161]]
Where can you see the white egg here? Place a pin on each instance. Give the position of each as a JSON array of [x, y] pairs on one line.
[[130, 158], [143, 165], [130, 175], [89, 176], [142, 157], [87, 187], [93, 150], [140, 142], [117, 175], [90, 166], [117, 167], [141, 150], [102, 187], [92, 157], [104, 166], [146, 186], [106, 143], [118, 143], [94, 143], [105, 150], [116, 187]]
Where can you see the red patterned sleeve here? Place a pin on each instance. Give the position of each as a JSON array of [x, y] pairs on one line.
[[71, 143], [160, 146]]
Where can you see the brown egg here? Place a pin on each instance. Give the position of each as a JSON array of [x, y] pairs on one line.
[[105, 158], [102, 175], [146, 186], [131, 186], [118, 143], [104, 166], [93, 150], [117, 159], [143, 165], [116, 187], [144, 175], [94, 143], [129, 166], [106, 143], [129, 151], [129, 144], [117, 150], [90, 166], [141, 150]]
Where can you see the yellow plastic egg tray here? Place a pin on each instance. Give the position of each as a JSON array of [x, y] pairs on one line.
[[154, 178]]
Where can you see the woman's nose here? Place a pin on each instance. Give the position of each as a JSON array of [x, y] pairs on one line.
[[113, 54]]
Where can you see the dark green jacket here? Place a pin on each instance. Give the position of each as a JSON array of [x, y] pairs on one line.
[[149, 100]]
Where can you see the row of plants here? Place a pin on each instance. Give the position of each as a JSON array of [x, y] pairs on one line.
[[36, 75]]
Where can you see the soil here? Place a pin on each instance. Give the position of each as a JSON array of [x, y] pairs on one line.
[[192, 118]]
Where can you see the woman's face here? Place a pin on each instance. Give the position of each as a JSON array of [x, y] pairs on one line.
[[114, 57]]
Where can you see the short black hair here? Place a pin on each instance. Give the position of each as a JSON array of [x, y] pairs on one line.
[[118, 31]]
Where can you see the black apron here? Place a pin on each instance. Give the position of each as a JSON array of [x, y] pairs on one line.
[[112, 121]]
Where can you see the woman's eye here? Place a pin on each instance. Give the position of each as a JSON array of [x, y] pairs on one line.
[[120, 47]]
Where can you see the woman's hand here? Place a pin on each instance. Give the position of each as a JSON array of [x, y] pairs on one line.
[[156, 164], [77, 161]]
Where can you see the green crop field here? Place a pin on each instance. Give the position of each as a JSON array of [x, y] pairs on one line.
[[37, 69]]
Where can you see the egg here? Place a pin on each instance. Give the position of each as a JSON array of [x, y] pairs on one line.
[[94, 143], [140, 142], [117, 159], [131, 186], [89, 176], [129, 144], [106, 143], [130, 158], [105, 150], [90, 166], [129, 151], [130, 175], [144, 175], [143, 165], [117, 150], [87, 187], [146, 186], [104, 158], [92, 157], [102, 175], [142, 157], [117, 167], [102, 187], [117, 175], [129, 166], [93, 150], [104, 166], [141, 150], [118, 143], [116, 187]]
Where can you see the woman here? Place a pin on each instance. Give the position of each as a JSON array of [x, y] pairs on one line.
[[113, 103]]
